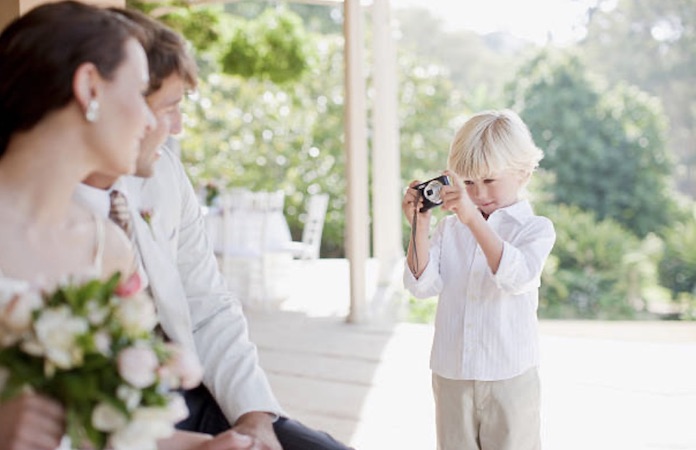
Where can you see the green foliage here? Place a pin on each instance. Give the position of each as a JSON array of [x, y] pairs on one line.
[[605, 146], [280, 126], [320, 18], [200, 26], [651, 45], [422, 310], [262, 136], [597, 269], [476, 65], [430, 111], [678, 264], [272, 46]]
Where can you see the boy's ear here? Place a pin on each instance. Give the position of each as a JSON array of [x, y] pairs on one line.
[[525, 176]]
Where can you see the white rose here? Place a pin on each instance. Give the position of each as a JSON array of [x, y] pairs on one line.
[[57, 330], [16, 313], [146, 427], [138, 366], [102, 341], [96, 313], [136, 314], [106, 417], [129, 395]]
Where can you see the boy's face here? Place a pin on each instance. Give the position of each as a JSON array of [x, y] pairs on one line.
[[495, 191]]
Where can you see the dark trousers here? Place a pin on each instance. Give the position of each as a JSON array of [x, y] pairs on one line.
[[205, 416]]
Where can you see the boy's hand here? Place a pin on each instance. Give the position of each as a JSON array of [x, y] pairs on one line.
[[412, 202], [455, 199]]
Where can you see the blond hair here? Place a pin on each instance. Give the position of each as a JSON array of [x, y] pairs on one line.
[[491, 142]]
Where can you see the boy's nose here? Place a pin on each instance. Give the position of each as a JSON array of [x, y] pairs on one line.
[[481, 192]]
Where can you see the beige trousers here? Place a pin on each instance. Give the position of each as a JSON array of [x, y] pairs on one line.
[[488, 415]]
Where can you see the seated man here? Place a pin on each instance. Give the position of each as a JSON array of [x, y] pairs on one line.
[[194, 304]]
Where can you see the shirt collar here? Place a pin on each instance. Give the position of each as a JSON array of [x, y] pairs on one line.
[[97, 199], [519, 211]]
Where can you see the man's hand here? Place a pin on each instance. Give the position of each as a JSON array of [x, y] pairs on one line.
[[190, 440], [31, 422], [229, 440], [259, 426]]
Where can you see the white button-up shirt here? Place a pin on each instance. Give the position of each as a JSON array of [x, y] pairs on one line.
[[486, 324], [98, 201]]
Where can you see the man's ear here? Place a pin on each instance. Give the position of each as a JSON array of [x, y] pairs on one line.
[[86, 82]]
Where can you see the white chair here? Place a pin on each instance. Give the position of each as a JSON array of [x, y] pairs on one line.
[[252, 229], [308, 248]]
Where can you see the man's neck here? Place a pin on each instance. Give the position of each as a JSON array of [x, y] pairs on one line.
[[100, 181]]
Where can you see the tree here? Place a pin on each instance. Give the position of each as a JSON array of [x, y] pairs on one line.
[[476, 65], [652, 45], [253, 133], [597, 268], [678, 264], [604, 144]]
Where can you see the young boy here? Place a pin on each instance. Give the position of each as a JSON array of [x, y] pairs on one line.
[[484, 262]]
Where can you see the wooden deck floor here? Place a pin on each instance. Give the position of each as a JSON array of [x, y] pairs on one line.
[[613, 386]]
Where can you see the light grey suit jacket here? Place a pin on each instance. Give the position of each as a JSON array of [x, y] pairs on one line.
[[192, 297]]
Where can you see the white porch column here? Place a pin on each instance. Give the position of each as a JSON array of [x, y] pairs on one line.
[[386, 165], [357, 207]]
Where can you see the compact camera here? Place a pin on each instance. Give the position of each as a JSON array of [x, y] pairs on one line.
[[430, 191]]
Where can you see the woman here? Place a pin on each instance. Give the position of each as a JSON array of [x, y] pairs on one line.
[[72, 79]]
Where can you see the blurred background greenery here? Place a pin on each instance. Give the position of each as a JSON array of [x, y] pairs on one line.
[[614, 112]]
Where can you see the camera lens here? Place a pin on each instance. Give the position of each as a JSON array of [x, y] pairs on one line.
[[432, 191]]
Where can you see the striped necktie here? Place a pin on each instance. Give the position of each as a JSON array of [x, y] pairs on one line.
[[120, 213]]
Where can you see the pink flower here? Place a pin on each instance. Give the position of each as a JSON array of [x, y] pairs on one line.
[[129, 287]]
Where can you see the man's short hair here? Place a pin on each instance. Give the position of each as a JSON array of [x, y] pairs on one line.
[[167, 51]]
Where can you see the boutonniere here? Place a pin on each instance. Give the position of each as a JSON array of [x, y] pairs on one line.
[[147, 214]]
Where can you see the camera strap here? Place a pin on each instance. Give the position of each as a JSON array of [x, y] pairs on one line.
[[414, 224]]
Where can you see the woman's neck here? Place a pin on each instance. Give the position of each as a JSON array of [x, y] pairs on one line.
[[39, 173]]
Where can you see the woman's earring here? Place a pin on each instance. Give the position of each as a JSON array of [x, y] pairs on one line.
[[92, 113]]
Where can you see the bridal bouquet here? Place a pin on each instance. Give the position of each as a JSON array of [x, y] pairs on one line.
[[91, 346]]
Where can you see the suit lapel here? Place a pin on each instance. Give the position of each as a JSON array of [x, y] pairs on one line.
[[165, 283]]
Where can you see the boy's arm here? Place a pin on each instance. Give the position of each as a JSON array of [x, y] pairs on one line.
[[417, 255], [491, 244], [457, 200]]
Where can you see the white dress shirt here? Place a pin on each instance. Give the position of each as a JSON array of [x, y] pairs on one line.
[[486, 324], [98, 201], [195, 306]]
